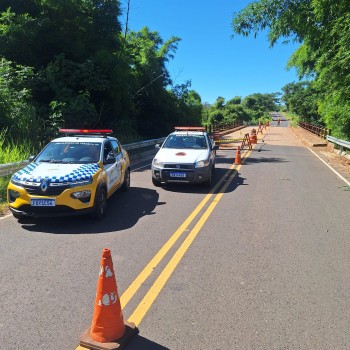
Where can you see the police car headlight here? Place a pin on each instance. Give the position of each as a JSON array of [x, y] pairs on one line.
[[158, 163], [202, 164], [83, 196]]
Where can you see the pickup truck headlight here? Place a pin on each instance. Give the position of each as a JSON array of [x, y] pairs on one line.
[[202, 164], [158, 163]]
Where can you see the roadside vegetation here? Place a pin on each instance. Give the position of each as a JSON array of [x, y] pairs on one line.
[[10, 152], [322, 60], [70, 64]]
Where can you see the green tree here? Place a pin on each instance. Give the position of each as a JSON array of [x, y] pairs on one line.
[[321, 27], [302, 99], [148, 55]]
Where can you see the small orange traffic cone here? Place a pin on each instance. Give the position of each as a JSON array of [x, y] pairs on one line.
[[108, 329], [238, 159]]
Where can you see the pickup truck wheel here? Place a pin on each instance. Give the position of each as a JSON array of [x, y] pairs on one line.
[[208, 182]]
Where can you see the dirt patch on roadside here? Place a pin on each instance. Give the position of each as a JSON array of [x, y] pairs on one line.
[[4, 210]]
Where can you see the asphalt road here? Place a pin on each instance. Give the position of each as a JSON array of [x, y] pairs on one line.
[[259, 262]]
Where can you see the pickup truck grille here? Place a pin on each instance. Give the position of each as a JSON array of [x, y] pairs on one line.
[[179, 166]]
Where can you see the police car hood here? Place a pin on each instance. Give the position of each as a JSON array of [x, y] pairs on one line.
[[187, 156], [56, 173]]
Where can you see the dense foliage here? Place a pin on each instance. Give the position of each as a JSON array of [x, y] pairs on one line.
[[322, 29], [252, 108], [67, 64]]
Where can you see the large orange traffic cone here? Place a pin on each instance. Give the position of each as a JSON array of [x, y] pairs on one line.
[[108, 329], [238, 159]]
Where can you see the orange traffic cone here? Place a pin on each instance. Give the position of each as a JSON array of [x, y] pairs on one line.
[[108, 329], [238, 159]]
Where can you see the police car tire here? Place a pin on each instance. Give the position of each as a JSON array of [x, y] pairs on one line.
[[100, 205], [126, 184]]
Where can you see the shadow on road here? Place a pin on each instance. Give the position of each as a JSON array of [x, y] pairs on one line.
[[219, 174], [254, 160], [145, 344], [124, 211]]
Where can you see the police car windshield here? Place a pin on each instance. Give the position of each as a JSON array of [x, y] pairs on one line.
[[181, 141], [70, 152]]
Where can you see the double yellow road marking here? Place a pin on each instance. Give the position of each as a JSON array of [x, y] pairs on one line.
[[145, 304], [158, 285]]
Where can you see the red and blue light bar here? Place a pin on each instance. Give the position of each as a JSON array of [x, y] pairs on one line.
[[189, 128], [87, 131]]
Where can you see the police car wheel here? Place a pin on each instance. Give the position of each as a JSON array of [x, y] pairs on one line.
[[100, 204], [126, 183]]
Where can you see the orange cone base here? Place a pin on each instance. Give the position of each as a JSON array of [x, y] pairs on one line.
[[130, 331], [238, 160]]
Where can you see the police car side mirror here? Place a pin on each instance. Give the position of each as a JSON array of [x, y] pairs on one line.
[[110, 160], [157, 145], [31, 158]]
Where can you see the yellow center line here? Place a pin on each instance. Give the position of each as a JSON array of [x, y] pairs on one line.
[[146, 272], [158, 285]]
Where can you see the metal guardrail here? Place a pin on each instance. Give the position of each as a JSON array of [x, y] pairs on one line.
[[142, 144], [132, 148], [9, 169], [341, 143]]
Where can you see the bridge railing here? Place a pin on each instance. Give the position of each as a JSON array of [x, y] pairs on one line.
[[315, 129]]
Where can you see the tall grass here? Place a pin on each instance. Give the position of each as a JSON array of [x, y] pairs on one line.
[[13, 152], [10, 153]]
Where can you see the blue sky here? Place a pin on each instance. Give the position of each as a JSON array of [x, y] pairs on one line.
[[216, 63]]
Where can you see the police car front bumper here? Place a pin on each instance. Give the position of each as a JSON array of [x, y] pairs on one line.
[[196, 175], [21, 202], [57, 211]]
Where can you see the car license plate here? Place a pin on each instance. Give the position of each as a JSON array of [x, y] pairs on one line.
[[177, 174], [42, 202]]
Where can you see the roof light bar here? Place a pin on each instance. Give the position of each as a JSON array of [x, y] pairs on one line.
[[189, 128], [86, 131]]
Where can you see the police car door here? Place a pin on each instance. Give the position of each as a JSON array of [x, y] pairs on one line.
[[113, 170], [120, 159]]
